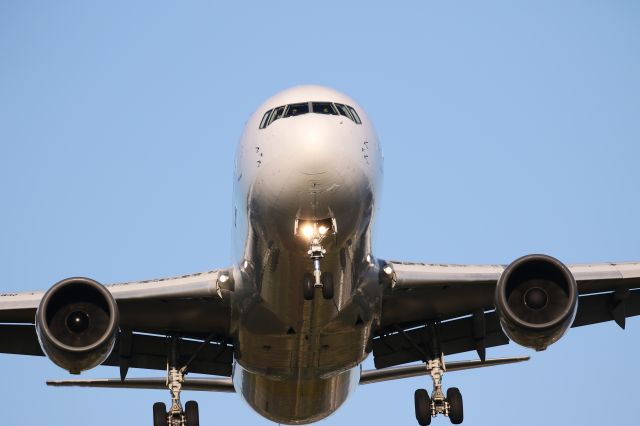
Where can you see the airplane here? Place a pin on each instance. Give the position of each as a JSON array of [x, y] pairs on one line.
[[288, 325]]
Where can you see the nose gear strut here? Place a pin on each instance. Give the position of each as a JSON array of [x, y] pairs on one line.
[[316, 252], [315, 232]]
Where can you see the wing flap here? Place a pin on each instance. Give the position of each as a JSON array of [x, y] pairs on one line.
[[456, 336], [395, 373], [19, 339], [150, 352], [210, 385], [612, 306]]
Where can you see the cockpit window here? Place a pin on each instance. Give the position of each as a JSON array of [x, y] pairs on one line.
[[277, 113], [324, 108], [344, 110], [297, 109], [265, 119], [292, 110], [355, 115]]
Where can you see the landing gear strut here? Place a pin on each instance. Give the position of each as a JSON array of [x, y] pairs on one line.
[[176, 416], [428, 407], [316, 232]]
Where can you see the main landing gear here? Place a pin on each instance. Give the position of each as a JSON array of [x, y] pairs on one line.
[[176, 416], [430, 406]]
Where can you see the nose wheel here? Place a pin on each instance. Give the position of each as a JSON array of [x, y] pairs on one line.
[[319, 279], [309, 285], [327, 285], [314, 232], [428, 407]]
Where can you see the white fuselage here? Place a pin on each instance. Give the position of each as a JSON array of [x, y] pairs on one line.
[[298, 360]]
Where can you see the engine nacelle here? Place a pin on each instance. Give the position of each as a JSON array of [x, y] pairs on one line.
[[77, 324], [536, 299]]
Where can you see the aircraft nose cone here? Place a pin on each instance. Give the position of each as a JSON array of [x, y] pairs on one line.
[[315, 146]]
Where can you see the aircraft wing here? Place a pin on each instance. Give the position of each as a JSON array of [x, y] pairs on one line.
[[460, 300], [196, 307]]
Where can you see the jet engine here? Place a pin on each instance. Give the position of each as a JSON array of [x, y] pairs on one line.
[[77, 323], [536, 299]]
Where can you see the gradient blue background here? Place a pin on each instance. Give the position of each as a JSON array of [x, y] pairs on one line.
[[507, 128]]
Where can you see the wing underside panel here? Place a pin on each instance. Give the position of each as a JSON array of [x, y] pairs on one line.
[[476, 332], [140, 350]]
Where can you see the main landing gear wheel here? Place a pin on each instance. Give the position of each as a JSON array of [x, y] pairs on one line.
[[308, 287], [159, 414], [177, 415], [327, 285], [429, 407], [423, 407], [454, 398], [191, 412]]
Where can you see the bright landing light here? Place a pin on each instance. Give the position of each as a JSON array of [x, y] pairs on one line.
[[323, 229], [307, 231]]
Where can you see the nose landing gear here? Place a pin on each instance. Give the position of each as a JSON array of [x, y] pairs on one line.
[[319, 279], [315, 233], [428, 407], [309, 285], [316, 253]]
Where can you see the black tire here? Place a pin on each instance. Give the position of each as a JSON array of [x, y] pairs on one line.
[[327, 285], [456, 414], [191, 412], [423, 407], [159, 414], [308, 286]]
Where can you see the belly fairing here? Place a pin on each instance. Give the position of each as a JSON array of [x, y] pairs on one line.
[[295, 401]]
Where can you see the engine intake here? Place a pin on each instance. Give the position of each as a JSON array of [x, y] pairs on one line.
[[77, 323], [536, 299]]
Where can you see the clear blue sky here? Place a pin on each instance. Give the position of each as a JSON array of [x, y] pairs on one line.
[[507, 127]]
